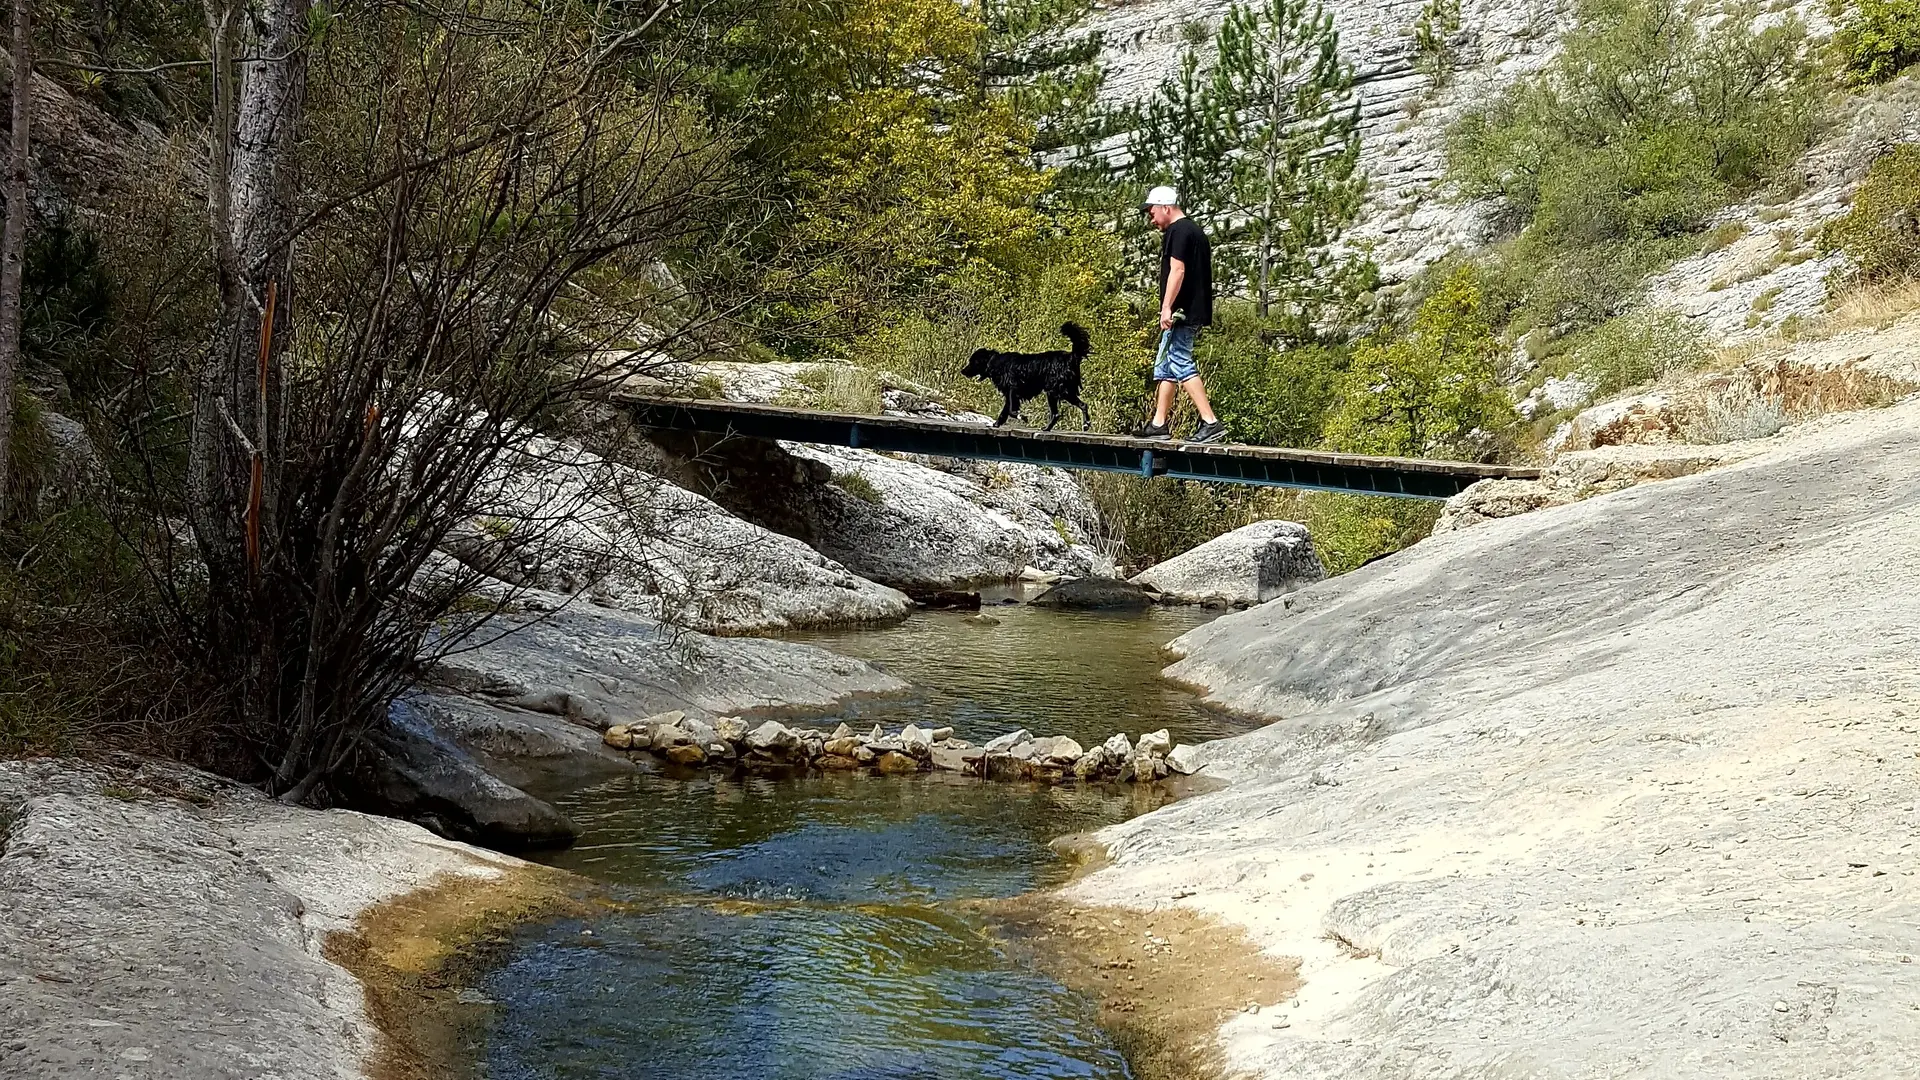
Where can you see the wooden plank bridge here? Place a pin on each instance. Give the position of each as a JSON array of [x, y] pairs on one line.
[[1411, 478]]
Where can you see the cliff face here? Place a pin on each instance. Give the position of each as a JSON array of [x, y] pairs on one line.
[[1414, 217], [1404, 116]]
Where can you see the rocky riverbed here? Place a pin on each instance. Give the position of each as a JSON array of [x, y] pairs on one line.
[[730, 743]]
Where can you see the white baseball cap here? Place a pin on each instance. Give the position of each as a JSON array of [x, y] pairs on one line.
[[1161, 196]]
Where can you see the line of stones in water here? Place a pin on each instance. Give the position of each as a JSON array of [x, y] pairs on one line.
[[730, 743]]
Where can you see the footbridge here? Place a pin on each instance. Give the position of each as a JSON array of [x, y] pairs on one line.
[[1411, 478]]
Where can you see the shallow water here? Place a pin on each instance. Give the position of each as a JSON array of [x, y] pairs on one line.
[[807, 928]]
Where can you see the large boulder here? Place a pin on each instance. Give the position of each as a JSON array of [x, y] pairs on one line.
[[561, 518], [1250, 565], [610, 666], [413, 771], [921, 524], [1095, 594], [529, 749]]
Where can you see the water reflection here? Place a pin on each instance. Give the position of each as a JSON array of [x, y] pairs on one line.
[[1084, 674]]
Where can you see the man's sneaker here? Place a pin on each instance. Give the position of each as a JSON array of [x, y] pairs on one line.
[[1213, 432], [1152, 430]]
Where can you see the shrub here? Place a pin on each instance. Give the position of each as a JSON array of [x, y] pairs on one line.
[[858, 486], [1735, 414], [1881, 233], [1158, 519], [1434, 391], [1879, 39], [1633, 349], [1268, 394], [842, 388], [1615, 157]]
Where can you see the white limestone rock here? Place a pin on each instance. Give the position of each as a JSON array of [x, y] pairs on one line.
[[1250, 565]]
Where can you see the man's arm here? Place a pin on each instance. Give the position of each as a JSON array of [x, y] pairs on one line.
[[1176, 273]]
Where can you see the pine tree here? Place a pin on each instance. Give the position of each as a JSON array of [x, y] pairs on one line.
[[1183, 136], [1292, 113], [1264, 148]]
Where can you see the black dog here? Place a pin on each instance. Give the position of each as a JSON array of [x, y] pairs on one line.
[[1020, 376]]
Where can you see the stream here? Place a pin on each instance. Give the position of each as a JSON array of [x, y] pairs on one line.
[[805, 928]]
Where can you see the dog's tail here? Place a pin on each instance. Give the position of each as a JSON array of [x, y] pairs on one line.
[[1082, 342]]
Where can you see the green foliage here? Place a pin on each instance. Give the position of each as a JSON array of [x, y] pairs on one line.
[[897, 137], [1069, 274], [1269, 393], [1881, 232], [28, 450], [1611, 162], [1644, 123], [1433, 35], [83, 664], [858, 486], [1433, 392], [1263, 147], [1632, 349], [1878, 39], [1158, 519], [1350, 531], [67, 299], [842, 388], [1048, 78]]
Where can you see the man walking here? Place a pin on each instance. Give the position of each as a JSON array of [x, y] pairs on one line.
[[1186, 305]]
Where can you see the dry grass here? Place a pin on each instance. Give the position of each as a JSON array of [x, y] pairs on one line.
[[1866, 307]]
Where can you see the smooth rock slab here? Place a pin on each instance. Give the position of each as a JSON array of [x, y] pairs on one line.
[[1584, 792], [416, 773], [1250, 565], [142, 935]]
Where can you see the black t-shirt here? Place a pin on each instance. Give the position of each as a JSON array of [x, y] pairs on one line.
[[1183, 240]]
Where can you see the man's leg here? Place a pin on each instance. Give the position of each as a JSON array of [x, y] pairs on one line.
[[1162, 402], [1198, 392]]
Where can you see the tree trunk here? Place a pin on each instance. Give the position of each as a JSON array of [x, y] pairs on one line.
[[13, 239], [1276, 131], [238, 423]]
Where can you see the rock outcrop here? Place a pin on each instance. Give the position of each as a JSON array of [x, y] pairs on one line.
[[1622, 787], [535, 751], [602, 666], [926, 524], [920, 524], [635, 541], [1250, 565], [1412, 217], [1709, 420], [1094, 594], [413, 771], [157, 921]]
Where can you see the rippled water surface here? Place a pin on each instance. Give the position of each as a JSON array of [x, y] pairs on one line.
[[806, 928]]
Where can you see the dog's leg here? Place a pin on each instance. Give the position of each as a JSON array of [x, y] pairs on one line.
[[1086, 418], [1053, 411], [1006, 408]]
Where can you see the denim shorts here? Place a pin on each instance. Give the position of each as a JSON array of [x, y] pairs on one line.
[[1175, 362]]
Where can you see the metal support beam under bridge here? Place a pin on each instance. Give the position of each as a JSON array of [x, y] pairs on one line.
[[1411, 478]]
